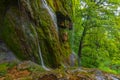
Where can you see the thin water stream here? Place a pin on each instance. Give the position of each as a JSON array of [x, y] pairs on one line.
[[54, 19], [42, 62], [51, 12]]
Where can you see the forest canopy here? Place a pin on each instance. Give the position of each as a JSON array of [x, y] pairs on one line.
[[97, 33]]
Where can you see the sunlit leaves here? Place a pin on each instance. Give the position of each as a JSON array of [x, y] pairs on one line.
[[101, 20]]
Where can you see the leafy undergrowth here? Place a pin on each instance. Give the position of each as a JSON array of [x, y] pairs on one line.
[[30, 71], [107, 69], [4, 67]]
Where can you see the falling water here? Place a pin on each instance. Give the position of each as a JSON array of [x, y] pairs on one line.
[[42, 62], [51, 12], [36, 36], [39, 50]]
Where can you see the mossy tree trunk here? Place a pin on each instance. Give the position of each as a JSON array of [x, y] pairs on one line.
[[26, 24]]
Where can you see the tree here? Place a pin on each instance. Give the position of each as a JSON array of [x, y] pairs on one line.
[[96, 18]]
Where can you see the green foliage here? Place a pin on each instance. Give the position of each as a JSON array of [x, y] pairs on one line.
[[107, 69], [5, 66], [3, 69], [35, 68], [100, 46]]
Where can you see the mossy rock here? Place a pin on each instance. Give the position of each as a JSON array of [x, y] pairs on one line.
[[25, 24], [5, 66]]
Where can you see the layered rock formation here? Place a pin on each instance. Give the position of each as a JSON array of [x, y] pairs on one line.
[[28, 28]]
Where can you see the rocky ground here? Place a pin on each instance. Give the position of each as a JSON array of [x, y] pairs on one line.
[[12, 69], [28, 70], [5, 54]]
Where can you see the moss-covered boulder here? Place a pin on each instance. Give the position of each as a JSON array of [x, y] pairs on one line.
[[26, 26]]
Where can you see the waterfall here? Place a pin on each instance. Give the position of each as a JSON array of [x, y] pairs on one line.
[[38, 46], [34, 37], [51, 12], [40, 54]]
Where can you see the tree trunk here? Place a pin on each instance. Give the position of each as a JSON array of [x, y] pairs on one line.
[[81, 46]]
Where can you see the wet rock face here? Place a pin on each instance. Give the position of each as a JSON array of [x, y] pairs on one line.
[[64, 37], [27, 23], [5, 54], [73, 59], [64, 21]]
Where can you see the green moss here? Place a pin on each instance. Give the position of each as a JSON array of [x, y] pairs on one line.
[[51, 4], [107, 69], [5, 66], [10, 37], [48, 38], [36, 69], [3, 69], [23, 29]]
